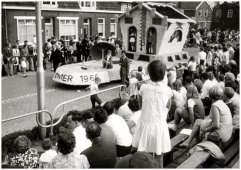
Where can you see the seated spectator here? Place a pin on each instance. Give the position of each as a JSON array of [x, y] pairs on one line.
[[206, 86], [235, 100], [100, 116], [135, 108], [179, 94], [46, 158], [221, 81], [102, 153], [68, 159], [24, 155], [229, 77], [212, 79], [234, 68], [194, 110], [137, 160], [121, 131], [228, 94], [74, 123], [197, 82], [220, 119], [125, 112], [188, 81]]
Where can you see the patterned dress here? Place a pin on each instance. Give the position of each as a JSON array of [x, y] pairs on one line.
[[29, 159]]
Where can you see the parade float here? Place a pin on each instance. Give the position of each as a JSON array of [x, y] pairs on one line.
[[150, 31]]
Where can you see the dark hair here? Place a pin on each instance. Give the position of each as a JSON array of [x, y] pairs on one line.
[[123, 52], [205, 76], [46, 144], [66, 142], [231, 84], [156, 70], [109, 108], [221, 77], [201, 49], [14, 46], [76, 116], [23, 139], [93, 130], [100, 116], [133, 104], [225, 49], [48, 40], [140, 68], [87, 115], [192, 58], [196, 76], [188, 79]]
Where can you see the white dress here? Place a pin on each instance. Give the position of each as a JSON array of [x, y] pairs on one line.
[[152, 134]]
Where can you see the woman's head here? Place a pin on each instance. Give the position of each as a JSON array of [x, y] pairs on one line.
[[156, 70], [22, 144], [177, 85], [215, 92], [192, 92], [66, 142]]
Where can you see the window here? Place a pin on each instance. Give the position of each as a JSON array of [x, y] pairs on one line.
[[202, 24], [68, 27], [113, 28], [206, 12], [230, 14], [218, 13], [26, 29], [124, 6], [87, 4], [101, 27], [200, 13], [50, 4], [87, 26]]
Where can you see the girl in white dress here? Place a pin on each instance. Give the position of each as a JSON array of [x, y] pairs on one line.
[[151, 134]]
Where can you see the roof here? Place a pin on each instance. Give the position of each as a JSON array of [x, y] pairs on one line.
[[164, 10], [189, 5], [61, 4]]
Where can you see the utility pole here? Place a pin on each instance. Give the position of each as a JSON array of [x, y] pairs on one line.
[[40, 70]]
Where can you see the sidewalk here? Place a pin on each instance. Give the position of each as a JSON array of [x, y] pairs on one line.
[[19, 96]]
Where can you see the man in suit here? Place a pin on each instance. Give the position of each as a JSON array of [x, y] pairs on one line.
[[7, 59], [125, 68], [85, 46], [79, 50], [102, 153], [55, 57]]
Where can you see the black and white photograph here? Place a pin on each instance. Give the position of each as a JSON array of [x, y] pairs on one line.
[[120, 84]]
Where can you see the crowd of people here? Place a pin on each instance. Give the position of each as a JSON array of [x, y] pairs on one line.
[[204, 92], [60, 52]]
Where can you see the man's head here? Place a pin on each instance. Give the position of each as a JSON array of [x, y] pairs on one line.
[[134, 104], [140, 68], [188, 79], [229, 77], [25, 42], [87, 117], [109, 108], [17, 42], [228, 93], [47, 144], [93, 130], [204, 76], [100, 116], [74, 119], [196, 76], [123, 53]]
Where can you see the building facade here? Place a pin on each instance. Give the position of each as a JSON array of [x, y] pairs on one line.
[[199, 11], [60, 19], [226, 16]]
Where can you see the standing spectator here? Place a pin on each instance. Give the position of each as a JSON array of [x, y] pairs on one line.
[[225, 56], [24, 66], [121, 131], [192, 65], [85, 45], [55, 57], [79, 50], [46, 157], [65, 53], [93, 91], [7, 59], [29, 57], [68, 159], [201, 60], [231, 52], [236, 55], [152, 133], [102, 153], [16, 55], [209, 57], [75, 125], [125, 67], [194, 110], [24, 155]]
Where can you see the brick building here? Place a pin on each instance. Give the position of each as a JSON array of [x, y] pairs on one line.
[[61, 18], [199, 11], [226, 16]]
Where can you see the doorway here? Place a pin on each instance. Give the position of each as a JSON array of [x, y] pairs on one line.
[[48, 28], [132, 39]]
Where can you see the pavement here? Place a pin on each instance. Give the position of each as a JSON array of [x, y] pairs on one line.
[[19, 97]]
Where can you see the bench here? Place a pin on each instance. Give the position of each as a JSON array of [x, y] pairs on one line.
[[230, 148]]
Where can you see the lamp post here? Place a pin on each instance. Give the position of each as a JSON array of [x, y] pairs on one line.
[[40, 71]]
